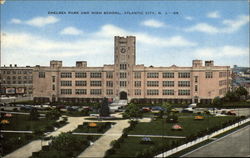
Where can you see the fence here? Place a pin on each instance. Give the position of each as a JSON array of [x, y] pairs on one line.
[[199, 140]]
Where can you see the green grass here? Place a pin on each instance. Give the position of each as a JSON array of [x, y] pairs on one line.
[[132, 145], [22, 122], [53, 153], [11, 141], [189, 125]]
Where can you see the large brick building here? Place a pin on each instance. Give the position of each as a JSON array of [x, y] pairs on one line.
[[124, 80]]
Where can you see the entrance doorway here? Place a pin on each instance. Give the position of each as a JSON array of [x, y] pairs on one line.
[[123, 96]]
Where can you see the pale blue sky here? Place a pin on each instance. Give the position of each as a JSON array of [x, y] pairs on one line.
[[207, 30]]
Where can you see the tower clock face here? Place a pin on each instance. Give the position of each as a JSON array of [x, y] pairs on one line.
[[123, 50]]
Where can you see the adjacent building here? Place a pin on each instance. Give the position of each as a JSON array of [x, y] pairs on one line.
[[125, 80], [16, 81]]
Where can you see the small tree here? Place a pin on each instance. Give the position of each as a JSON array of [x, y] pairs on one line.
[[132, 111], [34, 114], [241, 91], [217, 101], [53, 114]]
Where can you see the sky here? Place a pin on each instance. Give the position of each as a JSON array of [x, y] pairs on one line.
[[167, 32]]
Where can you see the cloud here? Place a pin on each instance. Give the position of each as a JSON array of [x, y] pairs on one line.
[[37, 21], [203, 27], [144, 38], [15, 21], [229, 26], [226, 51], [214, 14], [71, 31], [188, 18], [42, 21], [153, 23]]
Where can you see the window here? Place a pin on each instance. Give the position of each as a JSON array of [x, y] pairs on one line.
[[183, 92], [123, 83], [152, 83], [137, 74], [152, 75], [123, 66], [66, 83], [195, 79], [123, 75], [41, 75], [222, 82], [66, 91], [53, 78], [81, 91], [109, 83], [53, 87], [168, 83], [95, 83], [14, 77], [209, 74], [13, 72], [223, 74], [95, 75], [24, 77], [168, 92], [30, 81], [8, 77], [109, 91], [19, 77], [66, 74], [152, 92], [14, 82], [184, 83], [95, 91], [168, 74], [137, 83], [24, 72], [81, 83], [80, 75], [196, 88], [137, 92], [184, 75], [109, 74], [19, 72], [8, 72]]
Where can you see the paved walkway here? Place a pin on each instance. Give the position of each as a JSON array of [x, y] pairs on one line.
[[36, 145], [101, 145], [130, 135]]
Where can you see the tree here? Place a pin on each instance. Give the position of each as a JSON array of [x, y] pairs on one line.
[[168, 107], [104, 111], [34, 114], [241, 91], [217, 101], [66, 142], [132, 111], [53, 114], [231, 96]]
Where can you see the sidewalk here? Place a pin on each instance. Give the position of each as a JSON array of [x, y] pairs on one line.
[[36, 145], [101, 145]]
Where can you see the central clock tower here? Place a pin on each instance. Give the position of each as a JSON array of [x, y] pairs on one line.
[[124, 60]]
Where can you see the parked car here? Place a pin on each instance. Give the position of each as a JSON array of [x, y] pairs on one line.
[[146, 109]]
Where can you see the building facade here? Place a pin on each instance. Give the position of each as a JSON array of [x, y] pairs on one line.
[[16, 81], [124, 80]]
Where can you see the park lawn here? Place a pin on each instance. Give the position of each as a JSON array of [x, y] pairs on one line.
[[189, 125], [101, 127], [51, 152], [132, 145], [13, 141], [22, 122]]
